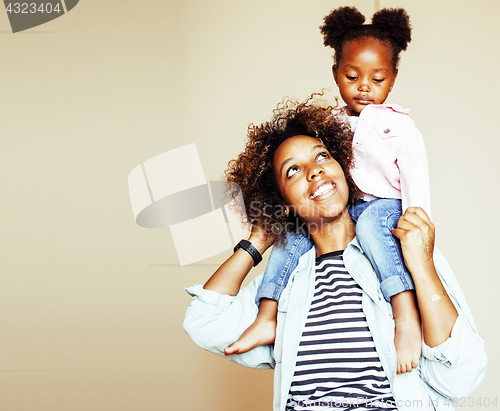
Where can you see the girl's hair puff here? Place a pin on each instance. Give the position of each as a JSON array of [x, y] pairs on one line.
[[389, 26], [253, 171]]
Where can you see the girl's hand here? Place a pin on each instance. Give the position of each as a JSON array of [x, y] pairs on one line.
[[260, 239], [416, 233]]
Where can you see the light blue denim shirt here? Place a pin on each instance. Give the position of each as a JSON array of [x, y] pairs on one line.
[[453, 369]]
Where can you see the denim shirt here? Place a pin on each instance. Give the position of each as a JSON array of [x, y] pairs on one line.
[[452, 369]]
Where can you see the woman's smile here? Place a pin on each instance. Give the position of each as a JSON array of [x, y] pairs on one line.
[[323, 189]]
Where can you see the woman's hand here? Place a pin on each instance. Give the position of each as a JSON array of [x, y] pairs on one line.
[[416, 233], [228, 278], [260, 238]]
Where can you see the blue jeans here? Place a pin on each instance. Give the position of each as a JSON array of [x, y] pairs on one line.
[[281, 264], [374, 221]]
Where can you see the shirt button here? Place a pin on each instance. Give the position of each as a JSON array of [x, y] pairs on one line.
[[387, 131]]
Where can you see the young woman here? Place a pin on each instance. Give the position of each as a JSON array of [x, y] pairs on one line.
[[334, 342]]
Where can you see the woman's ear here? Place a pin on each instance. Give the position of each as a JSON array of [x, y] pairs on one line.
[[286, 212], [335, 74]]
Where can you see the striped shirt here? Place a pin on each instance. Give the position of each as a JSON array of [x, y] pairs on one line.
[[337, 365]]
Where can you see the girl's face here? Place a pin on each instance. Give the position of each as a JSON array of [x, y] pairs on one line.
[[365, 73], [311, 182]]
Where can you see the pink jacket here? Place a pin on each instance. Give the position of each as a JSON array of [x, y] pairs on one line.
[[390, 158]]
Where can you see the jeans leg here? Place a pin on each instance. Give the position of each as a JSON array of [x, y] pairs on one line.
[[357, 209], [373, 230], [282, 262]]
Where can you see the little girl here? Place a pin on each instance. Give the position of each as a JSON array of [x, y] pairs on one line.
[[390, 169]]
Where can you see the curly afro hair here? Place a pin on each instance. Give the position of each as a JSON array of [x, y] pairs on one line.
[[253, 170], [389, 26]]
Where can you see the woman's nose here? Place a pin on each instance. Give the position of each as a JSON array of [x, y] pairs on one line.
[[315, 172]]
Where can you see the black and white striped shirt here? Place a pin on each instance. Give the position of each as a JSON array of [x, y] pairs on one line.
[[337, 365]]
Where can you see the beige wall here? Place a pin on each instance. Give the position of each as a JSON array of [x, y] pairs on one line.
[[92, 304]]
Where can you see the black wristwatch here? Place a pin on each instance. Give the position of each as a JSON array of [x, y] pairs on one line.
[[250, 249]]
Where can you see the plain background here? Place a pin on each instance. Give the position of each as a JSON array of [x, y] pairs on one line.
[[91, 305]]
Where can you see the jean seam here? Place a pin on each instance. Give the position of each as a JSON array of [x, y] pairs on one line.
[[279, 289], [279, 284], [389, 293], [399, 258]]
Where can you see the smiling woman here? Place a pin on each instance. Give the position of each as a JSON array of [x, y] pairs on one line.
[[334, 332], [254, 173], [312, 183]]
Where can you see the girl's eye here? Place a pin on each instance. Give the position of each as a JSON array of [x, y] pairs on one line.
[[378, 80], [323, 155], [291, 171], [351, 78]]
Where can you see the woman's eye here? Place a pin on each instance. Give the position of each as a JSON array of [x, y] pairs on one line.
[[291, 171], [323, 155]]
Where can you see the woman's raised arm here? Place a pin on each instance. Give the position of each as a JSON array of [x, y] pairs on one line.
[[229, 276], [457, 363], [416, 233]]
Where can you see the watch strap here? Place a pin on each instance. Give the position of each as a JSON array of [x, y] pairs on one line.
[[250, 249]]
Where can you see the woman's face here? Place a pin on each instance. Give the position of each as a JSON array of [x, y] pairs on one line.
[[311, 182]]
